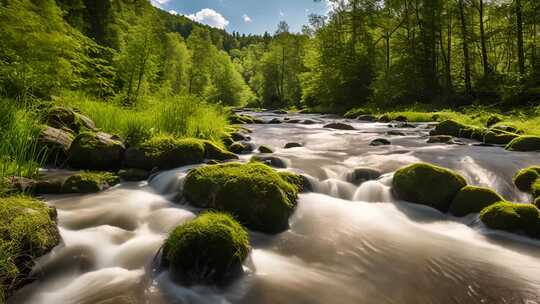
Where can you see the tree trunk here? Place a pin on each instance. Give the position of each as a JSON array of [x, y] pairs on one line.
[[485, 62], [521, 52], [468, 87]]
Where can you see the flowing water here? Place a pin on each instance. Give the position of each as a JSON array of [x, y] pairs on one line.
[[346, 243]]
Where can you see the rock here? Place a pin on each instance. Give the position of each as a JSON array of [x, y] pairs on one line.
[[535, 189], [237, 136], [493, 120], [280, 112], [339, 126], [525, 178], [57, 143], [369, 118], [166, 152], [508, 129], [265, 150], [242, 148], [59, 117], [449, 127], [207, 250], [253, 193], [428, 185], [360, 175], [524, 144], [293, 145], [96, 151], [308, 122], [380, 142], [213, 151], [395, 133], [275, 121], [89, 182], [501, 138], [442, 139], [385, 118], [401, 118], [29, 231], [473, 200], [240, 119], [133, 175], [294, 121], [512, 218], [272, 161], [404, 125]]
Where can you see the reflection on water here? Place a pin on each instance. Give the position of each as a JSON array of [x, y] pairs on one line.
[[347, 243]]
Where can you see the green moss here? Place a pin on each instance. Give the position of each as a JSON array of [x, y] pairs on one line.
[[89, 182], [472, 199], [265, 150], [27, 231], [525, 178], [535, 188], [499, 138], [294, 179], [95, 151], [166, 152], [512, 217], [524, 144], [207, 250], [213, 151], [427, 184], [254, 193]]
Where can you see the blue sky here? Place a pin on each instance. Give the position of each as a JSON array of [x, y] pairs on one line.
[[246, 16]]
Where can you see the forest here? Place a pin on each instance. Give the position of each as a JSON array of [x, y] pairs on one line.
[[96, 93]]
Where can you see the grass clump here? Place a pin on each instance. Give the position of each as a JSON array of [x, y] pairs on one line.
[[472, 199], [207, 250], [427, 184], [89, 182], [27, 231], [512, 217], [254, 193], [525, 178]]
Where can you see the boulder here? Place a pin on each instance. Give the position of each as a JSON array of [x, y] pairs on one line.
[[499, 138], [133, 175], [280, 112], [207, 250], [524, 144], [369, 118], [96, 151], [265, 150], [512, 217], [360, 175], [449, 127], [472, 199], [395, 133], [166, 152], [380, 142], [404, 125], [213, 151], [526, 177], [428, 185], [253, 193], [237, 136], [509, 129], [89, 182], [272, 161], [293, 121], [293, 145], [535, 189], [242, 147], [440, 139], [275, 121], [56, 142], [308, 122], [60, 117], [339, 126]]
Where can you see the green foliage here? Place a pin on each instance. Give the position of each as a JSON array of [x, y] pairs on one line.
[[207, 250], [472, 199], [512, 217], [254, 193], [27, 231], [427, 184]]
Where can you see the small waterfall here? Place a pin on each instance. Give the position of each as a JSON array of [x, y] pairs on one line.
[[373, 192]]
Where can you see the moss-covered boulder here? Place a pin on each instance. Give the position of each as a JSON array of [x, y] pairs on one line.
[[272, 161], [525, 178], [524, 144], [165, 152], [254, 193], [493, 120], [96, 151], [535, 189], [512, 217], [89, 182], [449, 127], [56, 142], [213, 151], [472, 199], [62, 117], [28, 231], [499, 138], [428, 185], [265, 150], [242, 147], [207, 250]]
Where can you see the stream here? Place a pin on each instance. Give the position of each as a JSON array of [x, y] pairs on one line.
[[346, 243]]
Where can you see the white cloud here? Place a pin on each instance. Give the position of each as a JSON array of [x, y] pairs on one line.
[[173, 12], [209, 17], [247, 19], [281, 13]]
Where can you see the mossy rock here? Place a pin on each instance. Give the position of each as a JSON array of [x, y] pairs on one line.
[[265, 150], [506, 128], [385, 118], [62, 117], [428, 185], [525, 178], [449, 127], [524, 144], [207, 250], [89, 182], [241, 147], [499, 138], [537, 202], [512, 217], [493, 120], [339, 126], [213, 151], [238, 119], [472, 199], [535, 188], [254, 193], [272, 161], [165, 152], [28, 231], [96, 151]]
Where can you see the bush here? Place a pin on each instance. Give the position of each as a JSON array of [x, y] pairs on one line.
[[207, 250], [512, 217], [472, 200]]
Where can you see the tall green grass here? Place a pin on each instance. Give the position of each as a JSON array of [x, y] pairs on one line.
[[182, 116]]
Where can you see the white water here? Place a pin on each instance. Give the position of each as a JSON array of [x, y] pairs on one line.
[[346, 244]]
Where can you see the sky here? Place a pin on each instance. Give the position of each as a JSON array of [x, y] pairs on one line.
[[246, 16]]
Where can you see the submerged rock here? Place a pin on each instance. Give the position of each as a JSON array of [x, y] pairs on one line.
[[428, 185], [395, 133], [253, 193], [96, 151], [275, 121], [380, 142], [339, 126], [440, 139], [525, 178], [207, 250], [293, 145], [472, 199], [360, 175], [512, 217], [524, 144]]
